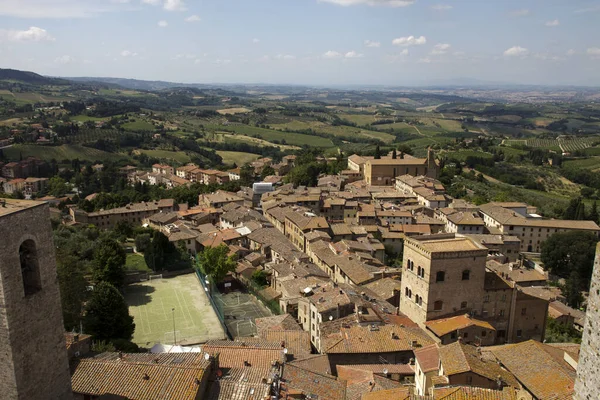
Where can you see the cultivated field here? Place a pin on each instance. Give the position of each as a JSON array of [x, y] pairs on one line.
[[63, 152], [158, 304], [239, 110]]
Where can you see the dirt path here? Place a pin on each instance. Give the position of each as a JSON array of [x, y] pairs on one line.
[[417, 130], [487, 177]]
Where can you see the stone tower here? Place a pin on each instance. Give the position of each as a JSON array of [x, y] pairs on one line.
[[33, 356], [587, 386]]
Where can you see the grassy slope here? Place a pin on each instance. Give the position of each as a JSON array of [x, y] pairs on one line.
[[238, 157]]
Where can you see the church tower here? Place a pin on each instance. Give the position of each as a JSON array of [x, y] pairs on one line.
[[33, 356]]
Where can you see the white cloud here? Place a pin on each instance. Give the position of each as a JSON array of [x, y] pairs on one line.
[[193, 18], [425, 60], [593, 52], [353, 54], [255, 40], [553, 23], [571, 52], [64, 60], [520, 13], [163, 24], [587, 10], [285, 57], [441, 7], [383, 3], [332, 54], [441, 48], [169, 5], [33, 34], [400, 57], [516, 51], [128, 53], [59, 9], [547, 57], [174, 5], [187, 56], [409, 41], [370, 43]]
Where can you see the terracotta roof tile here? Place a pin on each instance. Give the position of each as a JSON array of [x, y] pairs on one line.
[[401, 393], [457, 358], [537, 369], [297, 342], [234, 354], [428, 358], [382, 339], [444, 326], [141, 380], [473, 393], [283, 322], [307, 382], [318, 363]]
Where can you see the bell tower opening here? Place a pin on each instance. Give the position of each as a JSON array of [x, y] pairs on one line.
[[30, 269]]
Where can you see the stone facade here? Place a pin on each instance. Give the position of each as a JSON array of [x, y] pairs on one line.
[[587, 386], [439, 283], [33, 356]]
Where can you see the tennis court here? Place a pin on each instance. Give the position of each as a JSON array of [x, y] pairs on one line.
[[240, 309], [172, 309]]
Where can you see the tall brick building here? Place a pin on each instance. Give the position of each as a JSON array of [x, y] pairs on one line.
[[33, 357], [587, 386], [445, 276]]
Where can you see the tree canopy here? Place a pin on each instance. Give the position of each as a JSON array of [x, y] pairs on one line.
[[73, 289], [160, 254], [570, 255], [215, 262], [107, 315], [109, 262]]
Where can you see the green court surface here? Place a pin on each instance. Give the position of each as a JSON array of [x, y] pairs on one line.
[[178, 304], [240, 309]]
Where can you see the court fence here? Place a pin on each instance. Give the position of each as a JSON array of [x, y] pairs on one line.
[[209, 290], [256, 290]]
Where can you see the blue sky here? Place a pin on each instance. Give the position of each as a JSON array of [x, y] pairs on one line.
[[324, 42]]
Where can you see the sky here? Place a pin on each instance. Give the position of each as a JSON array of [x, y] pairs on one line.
[[307, 42]]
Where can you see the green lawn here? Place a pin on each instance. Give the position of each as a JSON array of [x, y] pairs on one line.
[[138, 125], [65, 151], [178, 156], [162, 307], [238, 157], [136, 262]]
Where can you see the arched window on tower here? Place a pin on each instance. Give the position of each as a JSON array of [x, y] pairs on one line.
[[30, 270]]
